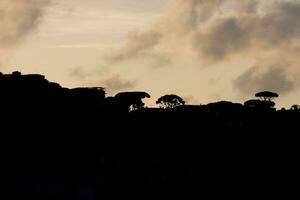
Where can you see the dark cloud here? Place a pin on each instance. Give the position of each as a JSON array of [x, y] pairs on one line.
[[249, 32], [220, 39]]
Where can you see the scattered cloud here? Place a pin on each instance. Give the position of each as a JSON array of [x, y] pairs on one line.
[[79, 73], [138, 43], [117, 84], [220, 31], [190, 100], [274, 78]]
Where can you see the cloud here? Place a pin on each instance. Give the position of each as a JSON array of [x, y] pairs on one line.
[[79, 73], [220, 39], [220, 31], [157, 42], [117, 84], [18, 18], [138, 43], [275, 78], [190, 100], [249, 32]]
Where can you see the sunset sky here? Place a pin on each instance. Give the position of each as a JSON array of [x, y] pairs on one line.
[[202, 50]]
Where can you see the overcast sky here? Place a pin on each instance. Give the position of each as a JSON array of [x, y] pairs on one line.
[[201, 50]]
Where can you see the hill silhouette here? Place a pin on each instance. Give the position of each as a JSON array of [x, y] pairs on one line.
[[61, 143]]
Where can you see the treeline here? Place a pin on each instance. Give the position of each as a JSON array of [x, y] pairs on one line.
[[33, 97], [27, 90]]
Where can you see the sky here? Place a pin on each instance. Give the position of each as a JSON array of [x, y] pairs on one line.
[[201, 50]]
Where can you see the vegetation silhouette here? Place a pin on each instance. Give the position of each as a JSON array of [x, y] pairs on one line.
[[170, 101], [131, 100], [61, 143], [267, 95], [295, 107], [264, 102]]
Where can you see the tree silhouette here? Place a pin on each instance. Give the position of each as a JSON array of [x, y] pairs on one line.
[[267, 96], [295, 107], [170, 101]]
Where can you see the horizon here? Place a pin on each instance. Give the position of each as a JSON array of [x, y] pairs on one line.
[[263, 96], [203, 51]]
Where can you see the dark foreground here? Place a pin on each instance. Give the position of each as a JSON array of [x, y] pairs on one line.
[[58, 143]]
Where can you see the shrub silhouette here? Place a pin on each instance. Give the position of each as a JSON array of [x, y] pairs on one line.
[[259, 104], [224, 106], [93, 92], [131, 100]]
